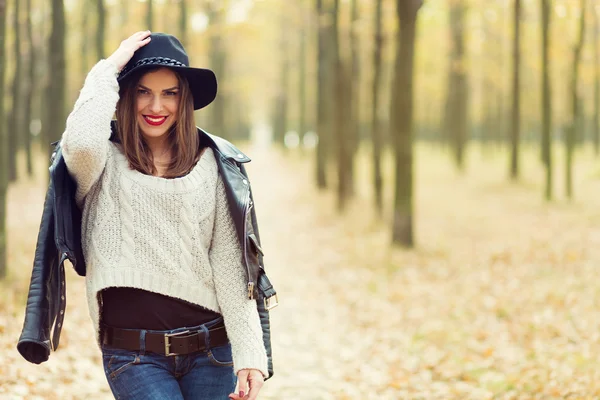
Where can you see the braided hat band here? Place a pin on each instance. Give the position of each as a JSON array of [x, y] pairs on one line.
[[158, 61]]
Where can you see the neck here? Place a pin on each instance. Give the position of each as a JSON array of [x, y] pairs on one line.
[[159, 147]]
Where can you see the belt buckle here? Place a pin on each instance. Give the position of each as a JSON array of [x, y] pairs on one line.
[[271, 302], [168, 344]]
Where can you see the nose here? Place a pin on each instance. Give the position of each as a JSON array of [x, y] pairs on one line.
[[156, 105]]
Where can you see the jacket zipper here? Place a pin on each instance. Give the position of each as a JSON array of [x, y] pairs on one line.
[[247, 208]]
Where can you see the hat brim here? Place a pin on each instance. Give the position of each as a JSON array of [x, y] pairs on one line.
[[202, 82]]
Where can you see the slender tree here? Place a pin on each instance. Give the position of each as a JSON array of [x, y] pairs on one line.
[[280, 124], [30, 84], [341, 115], [302, 73], [573, 130], [354, 95], [3, 144], [456, 100], [323, 94], [124, 11], [516, 94], [101, 11], [218, 60], [183, 20], [596, 44], [500, 110], [546, 99], [402, 121], [488, 90], [83, 37], [376, 130], [55, 95], [149, 15], [16, 112]]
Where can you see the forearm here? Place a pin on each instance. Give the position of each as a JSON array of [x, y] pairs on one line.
[[240, 314], [85, 142], [241, 317]]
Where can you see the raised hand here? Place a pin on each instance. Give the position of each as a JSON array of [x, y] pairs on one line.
[[129, 46]]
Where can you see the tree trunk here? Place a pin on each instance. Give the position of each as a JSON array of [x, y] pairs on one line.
[[55, 99], [376, 130], [149, 16], [183, 17], [218, 60], [15, 116], [29, 86], [516, 106], [124, 11], [323, 95], [302, 77], [100, 29], [341, 115], [488, 90], [354, 96], [280, 125], [499, 117], [546, 99], [84, 44], [456, 104], [402, 121], [3, 145], [596, 131], [573, 131]]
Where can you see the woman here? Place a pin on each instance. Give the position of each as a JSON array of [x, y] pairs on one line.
[[165, 277]]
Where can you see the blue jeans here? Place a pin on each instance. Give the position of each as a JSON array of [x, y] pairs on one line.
[[136, 375]]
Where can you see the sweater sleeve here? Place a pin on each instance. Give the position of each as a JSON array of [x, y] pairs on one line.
[[241, 317], [85, 142]]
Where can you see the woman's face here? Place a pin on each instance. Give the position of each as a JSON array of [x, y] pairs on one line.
[[157, 99]]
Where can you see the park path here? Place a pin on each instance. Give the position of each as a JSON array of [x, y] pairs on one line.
[[310, 328]]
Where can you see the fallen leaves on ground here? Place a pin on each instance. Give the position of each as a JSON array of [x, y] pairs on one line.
[[499, 300]]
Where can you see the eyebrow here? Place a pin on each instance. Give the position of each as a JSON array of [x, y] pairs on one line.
[[164, 90]]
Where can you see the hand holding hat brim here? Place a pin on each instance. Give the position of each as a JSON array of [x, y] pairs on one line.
[[128, 47]]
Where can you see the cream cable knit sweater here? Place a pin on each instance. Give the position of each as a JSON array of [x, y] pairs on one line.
[[175, 237]]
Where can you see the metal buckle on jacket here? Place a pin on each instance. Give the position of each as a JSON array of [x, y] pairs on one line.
[[168, 343], [271, 302]]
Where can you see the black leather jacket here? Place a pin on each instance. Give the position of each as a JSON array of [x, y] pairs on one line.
[[59, 239]]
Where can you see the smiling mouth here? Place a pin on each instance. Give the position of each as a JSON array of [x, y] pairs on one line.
[[154, 121]]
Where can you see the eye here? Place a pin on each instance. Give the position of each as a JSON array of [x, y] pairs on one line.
[[171, 93], [142, 91]]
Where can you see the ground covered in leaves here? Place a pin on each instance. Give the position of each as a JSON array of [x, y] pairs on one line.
[[499, 300]]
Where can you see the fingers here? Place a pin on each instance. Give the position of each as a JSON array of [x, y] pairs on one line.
[[140, 34], [248, 379], [144, 42], [243, 375], [255, 386]]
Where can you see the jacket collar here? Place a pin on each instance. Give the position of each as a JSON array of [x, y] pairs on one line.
[[225, 148]]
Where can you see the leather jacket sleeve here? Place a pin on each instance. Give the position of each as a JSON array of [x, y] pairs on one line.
[[57, 238], [34, 343]]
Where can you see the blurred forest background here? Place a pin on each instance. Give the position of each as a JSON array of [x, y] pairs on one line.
[[465, 132]]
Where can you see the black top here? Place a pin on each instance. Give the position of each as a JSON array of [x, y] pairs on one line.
[[130, 308]]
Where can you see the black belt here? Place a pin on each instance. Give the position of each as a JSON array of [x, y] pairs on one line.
[[169, 344]]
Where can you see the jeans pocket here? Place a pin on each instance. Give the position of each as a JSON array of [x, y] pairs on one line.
[[117, 361], [221, 356]]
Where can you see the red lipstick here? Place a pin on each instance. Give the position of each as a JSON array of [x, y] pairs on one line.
[[155, 120]]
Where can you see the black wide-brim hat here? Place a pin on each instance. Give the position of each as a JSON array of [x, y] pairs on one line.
[[166, 50]]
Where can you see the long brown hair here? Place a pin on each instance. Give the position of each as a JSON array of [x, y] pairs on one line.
[[183, 137]]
